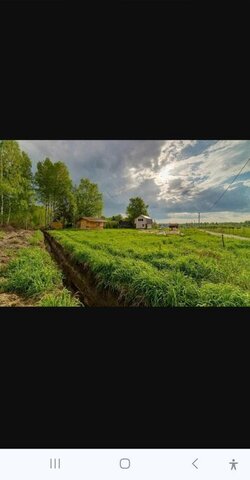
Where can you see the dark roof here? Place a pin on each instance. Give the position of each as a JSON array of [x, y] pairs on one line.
[[173, 225], [92, 219]]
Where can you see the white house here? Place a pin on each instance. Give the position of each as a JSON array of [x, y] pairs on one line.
[[143, 221]]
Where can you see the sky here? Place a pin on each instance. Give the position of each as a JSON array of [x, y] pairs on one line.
[[176, 178]]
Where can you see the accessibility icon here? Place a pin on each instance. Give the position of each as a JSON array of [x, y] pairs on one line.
[[233, 464]]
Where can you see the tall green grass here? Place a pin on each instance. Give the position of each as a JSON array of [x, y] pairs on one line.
[[61, 298], [36, 238], [153, 270], [31, 272], [222, 296]]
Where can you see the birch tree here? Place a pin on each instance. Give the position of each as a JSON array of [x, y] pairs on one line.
[[10, 178]]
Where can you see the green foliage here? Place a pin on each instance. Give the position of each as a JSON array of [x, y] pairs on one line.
[[65, 209], [234, 229], [222, 296], [116, 218], [155, 225], [147, 269], [88, 199], [55, 191], [16, 191], [51, 187], [60, 298], [44, 178], [36, 239], [32, 219], [111, 224], [36, 217], [136, 207], [31, 272]]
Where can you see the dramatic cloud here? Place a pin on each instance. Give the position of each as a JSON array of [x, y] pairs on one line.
[[177, 178]]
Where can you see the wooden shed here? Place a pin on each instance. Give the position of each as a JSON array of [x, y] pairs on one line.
[[173, 226], [56, 225], [89, 222]]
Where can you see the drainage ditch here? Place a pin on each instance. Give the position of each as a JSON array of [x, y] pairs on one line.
[[78, 278]]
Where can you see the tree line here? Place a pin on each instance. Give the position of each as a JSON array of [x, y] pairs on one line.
[[30, 199], [135, 208]]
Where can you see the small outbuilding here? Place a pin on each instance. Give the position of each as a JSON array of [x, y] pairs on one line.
[[143, 221], [85, 223], [56, 225], [173, 227]]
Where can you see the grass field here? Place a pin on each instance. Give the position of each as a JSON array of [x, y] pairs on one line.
[[28, 275], [241, 231], [156, 270]]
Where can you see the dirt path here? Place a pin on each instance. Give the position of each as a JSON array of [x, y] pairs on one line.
[[12, 300], [10, 242], [226, 235]]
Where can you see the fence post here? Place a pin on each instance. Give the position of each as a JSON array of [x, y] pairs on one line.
[[222, 238]]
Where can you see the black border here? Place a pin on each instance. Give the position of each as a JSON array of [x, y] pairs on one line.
[[124, 378]]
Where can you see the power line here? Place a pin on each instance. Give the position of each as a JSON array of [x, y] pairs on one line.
[[223, 193]]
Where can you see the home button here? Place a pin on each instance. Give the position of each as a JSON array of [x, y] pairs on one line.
[[124, 463]]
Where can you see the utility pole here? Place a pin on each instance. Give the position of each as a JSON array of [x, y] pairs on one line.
[[199, 219]]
